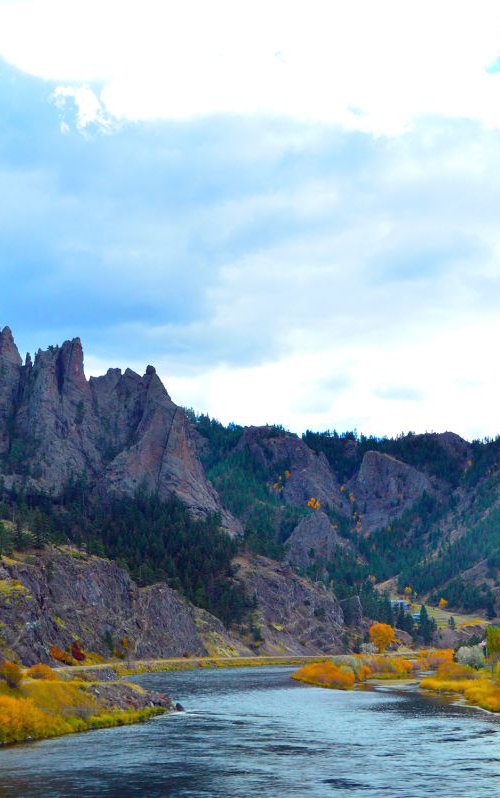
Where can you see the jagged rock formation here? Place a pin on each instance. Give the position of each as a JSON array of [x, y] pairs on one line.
[[10, 372], [309, 473], [384, 488], [122, 431], [314, 538], [293, 615]]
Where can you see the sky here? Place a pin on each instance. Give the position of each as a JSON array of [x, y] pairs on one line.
[[290, 208]]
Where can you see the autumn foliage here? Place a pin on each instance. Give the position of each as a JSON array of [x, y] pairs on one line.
[[429, 660], [348, 670], [41, 671], [326, 674], [381, 635], [11, 673], [77, 652], [61, 656], [20, 720], [314, 503], [478, 688], [43, 707]]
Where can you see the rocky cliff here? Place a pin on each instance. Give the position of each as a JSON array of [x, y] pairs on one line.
[[292, 615], [314, 538], [59, 595], [121, 431], [384, 488], [304, 474]]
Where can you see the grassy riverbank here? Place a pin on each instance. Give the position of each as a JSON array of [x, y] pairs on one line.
[[479, 688], [35, 709], [72, 699]]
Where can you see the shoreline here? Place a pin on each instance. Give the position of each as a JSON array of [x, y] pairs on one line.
[[135, 667], [106, 700], [89, 697]]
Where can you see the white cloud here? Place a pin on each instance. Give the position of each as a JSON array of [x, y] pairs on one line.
[[352, 283], [365, 65], [89, 109], [449, 371]]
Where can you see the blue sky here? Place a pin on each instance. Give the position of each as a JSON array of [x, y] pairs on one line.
[[287, 209]]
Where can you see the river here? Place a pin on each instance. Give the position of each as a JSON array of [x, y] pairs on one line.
[[255, 732]]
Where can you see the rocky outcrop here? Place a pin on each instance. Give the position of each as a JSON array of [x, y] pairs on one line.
[[58, 596], [315, 538], [10, 374], [122, 431], [293, 615], [384, 488], [304, 474], [455, 446], [353, 611], [123, 696]]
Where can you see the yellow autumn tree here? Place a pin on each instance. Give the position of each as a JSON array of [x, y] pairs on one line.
[[381, 635], [443, 603]]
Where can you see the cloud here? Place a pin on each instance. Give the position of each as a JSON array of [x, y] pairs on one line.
[[399, 393], [274, 269], [84, 106], [366, 66]]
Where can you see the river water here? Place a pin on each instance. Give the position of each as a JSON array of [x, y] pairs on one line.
[[255, 732]]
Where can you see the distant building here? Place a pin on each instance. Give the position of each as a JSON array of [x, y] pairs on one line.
[[400, 604]]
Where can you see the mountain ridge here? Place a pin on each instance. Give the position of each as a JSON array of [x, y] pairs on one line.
[[388, 507]]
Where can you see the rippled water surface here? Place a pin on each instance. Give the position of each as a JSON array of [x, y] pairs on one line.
[[254, 732]]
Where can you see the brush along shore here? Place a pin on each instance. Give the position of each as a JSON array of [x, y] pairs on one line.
[[477, 686], [38, 703]]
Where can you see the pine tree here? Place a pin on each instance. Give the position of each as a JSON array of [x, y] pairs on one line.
[[19, 538], [40, 530], [427, 625]]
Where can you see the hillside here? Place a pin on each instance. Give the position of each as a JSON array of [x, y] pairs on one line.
[[112, 466], [60, 595], [342, 507]]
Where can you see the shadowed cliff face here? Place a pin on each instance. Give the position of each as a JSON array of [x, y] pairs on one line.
[[59, 595], [293, 614], [309, 473], [121, 430], [384, 488], [315, 537], [10, 373]]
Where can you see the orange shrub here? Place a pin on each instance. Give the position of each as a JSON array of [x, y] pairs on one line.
[[389, 667], [326, 674], [56, 653], [480, 689], [452, 670], [41, 671], [439, 657], [363, 673], [20, 720], [12, 674]]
